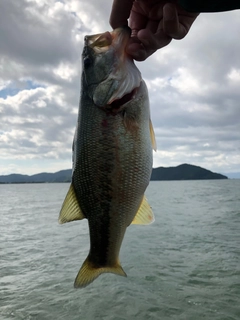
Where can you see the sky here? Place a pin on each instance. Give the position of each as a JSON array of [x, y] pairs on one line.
[[194, 87]]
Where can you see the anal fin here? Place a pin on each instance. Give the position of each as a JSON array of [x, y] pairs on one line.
[[70, 210], [144, 214]]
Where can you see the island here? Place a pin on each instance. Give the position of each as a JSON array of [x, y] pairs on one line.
[[184, 172], [181, 172]]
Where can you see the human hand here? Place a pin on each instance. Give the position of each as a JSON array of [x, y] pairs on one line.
[[154, 24]]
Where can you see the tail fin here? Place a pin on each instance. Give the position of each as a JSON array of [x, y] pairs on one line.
[[88, 273]]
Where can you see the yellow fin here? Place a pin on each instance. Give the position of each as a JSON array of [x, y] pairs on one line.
[[70, 210], [144, 214], [88, 273], [152, 135]]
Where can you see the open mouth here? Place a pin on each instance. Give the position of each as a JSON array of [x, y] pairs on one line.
[[101, 42]]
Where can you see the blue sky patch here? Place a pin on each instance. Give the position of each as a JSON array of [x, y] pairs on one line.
[[14, 87]]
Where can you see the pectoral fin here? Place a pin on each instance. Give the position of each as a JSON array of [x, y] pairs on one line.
[[152, 135], [70, 210], [144, 215]]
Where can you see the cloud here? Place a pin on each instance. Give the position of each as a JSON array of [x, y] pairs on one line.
[[193, 86], [195, 95]]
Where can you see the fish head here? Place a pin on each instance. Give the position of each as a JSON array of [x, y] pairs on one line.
[[109, 73]]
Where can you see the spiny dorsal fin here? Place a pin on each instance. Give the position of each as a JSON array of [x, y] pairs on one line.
[[88, 273], [70, 210], [152, 135], [144, 215]]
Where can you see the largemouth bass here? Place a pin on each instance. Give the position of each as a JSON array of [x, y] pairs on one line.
[[112, 152]]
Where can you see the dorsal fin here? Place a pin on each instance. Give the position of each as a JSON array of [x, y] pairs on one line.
[[70, 210], [144, 215], [152, 135]]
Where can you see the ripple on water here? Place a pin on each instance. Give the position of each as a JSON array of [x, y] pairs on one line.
[[184, 266]]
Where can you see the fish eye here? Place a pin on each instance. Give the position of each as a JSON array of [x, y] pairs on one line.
[[87, 62]]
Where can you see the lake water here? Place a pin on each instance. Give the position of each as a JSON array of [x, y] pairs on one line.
[[184, 266]]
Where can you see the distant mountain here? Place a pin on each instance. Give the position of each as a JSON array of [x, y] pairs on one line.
[[181, 172], [60, 176], [185, 172]]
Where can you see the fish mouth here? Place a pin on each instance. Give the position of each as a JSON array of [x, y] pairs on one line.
[[122, 79], [101, 42]]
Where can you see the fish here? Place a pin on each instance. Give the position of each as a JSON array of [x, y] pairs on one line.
[[112, 152]]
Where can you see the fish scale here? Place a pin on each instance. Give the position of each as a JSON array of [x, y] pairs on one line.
[[112, 153]]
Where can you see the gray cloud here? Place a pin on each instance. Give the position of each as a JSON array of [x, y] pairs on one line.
[[38, 34], [193, 86]]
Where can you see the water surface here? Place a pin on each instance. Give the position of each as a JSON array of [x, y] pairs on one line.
[[185, 266]]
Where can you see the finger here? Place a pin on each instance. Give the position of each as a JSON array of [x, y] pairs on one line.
[[120, 13], [171, 22], [153, 41], [177, 25], [153, 26], [138, 18], [138, 52], [146, 43]]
